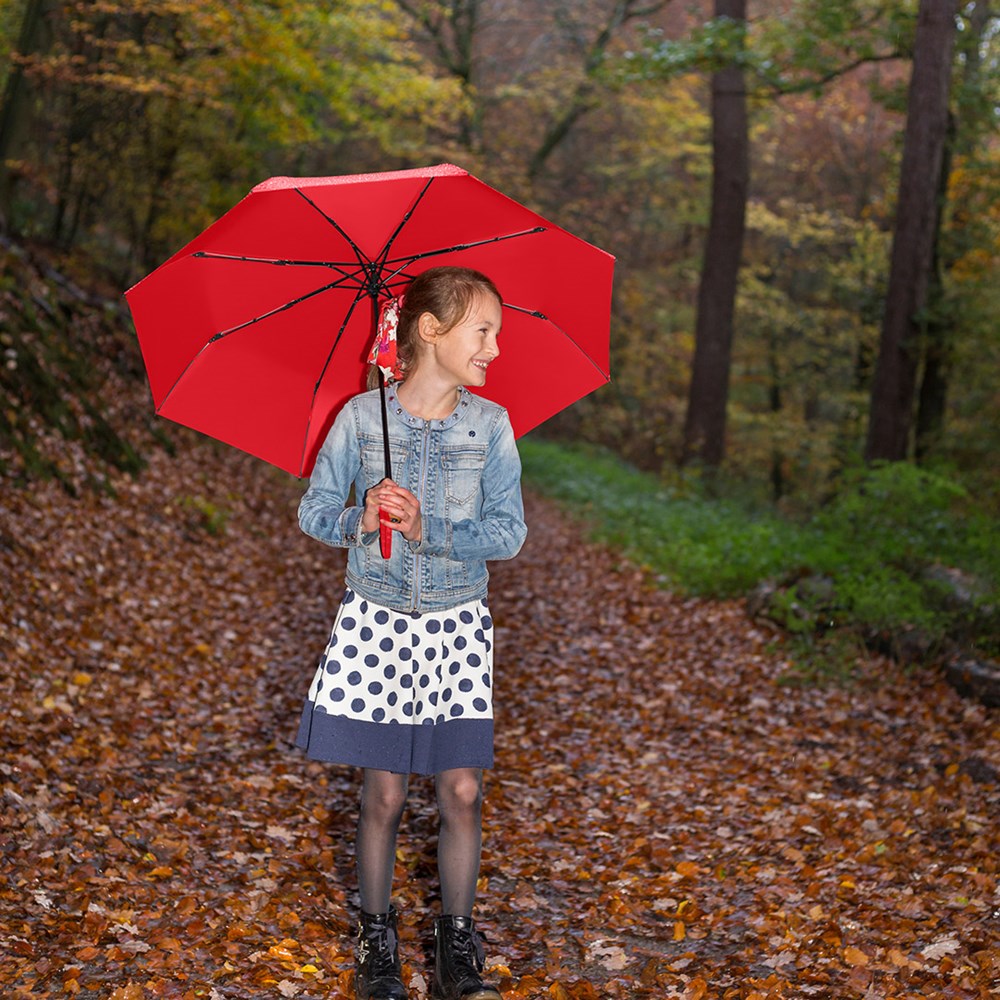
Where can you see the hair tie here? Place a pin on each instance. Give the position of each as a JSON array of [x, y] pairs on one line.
[[383, 352]]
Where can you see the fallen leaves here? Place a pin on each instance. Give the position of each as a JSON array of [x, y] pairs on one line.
[[664, 821]]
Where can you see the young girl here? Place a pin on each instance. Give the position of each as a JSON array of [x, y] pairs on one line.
[[405, 685]]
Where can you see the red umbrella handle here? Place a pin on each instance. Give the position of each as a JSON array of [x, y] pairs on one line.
[[384, 535]]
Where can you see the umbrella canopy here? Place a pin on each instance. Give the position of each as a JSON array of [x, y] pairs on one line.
[[258, 331]]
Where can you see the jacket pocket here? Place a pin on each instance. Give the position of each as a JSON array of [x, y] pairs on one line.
[[373, 462], [463, 472]]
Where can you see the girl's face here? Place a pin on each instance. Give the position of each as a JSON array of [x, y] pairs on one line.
[[464, 352]]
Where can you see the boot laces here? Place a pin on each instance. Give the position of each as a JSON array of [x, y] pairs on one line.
[[380, 943], [469, 948]]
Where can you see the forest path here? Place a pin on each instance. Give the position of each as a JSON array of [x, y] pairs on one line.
[[664, 819]]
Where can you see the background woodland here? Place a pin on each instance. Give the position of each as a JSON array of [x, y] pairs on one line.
[[741, 159]]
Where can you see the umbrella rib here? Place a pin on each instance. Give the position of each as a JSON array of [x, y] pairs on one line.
[[242, 326], [404, 261], [279, 262], [322, 374], [384, 252], [363, 261], [538, 314]]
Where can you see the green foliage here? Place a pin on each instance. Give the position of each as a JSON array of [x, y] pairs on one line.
[[692, 543], [898, 552]]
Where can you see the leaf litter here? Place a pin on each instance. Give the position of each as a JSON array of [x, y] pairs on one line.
[[664, 820]]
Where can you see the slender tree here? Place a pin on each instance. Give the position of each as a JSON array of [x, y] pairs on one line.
[[708, 393], [15, 105], [964, 132], [892, 398]]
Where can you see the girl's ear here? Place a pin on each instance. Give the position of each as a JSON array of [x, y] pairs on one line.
[[428, 327]]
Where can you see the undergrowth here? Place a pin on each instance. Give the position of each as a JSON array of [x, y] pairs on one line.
[[901, 560]]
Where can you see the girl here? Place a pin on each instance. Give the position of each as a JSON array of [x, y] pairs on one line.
[[405, 684]]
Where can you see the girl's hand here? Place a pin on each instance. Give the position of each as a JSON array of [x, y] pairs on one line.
[[400, 510]]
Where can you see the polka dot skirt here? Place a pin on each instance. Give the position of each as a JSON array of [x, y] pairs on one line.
[[403, 691]]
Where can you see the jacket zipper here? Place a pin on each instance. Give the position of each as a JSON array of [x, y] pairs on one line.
[[423, 490]]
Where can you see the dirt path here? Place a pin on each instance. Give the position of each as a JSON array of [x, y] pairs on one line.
[[665, 820]]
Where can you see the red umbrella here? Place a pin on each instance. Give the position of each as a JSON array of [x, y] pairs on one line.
[[258, 331]]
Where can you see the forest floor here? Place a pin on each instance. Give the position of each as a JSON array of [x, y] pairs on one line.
[[666, 818]]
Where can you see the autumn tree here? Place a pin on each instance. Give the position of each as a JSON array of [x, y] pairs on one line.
[[34, 36], [705, 422], [970, 123], [894, 384]]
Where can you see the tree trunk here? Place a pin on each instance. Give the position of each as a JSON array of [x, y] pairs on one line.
[[891, 411], [708, 393], [15, 106], [960, 141]]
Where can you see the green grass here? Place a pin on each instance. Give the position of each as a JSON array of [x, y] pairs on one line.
[[866, 566]]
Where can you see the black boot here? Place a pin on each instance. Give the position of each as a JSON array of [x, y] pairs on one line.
[[377, 975], [458, 960]]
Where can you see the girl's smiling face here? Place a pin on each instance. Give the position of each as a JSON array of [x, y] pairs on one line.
[[464, 352]]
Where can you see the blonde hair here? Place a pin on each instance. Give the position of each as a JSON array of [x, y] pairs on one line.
[[447, 293]]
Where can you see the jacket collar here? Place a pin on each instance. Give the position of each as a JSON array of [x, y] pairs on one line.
[[400, 413]]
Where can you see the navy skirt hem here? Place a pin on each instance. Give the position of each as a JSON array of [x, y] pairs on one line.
[[403, 749]]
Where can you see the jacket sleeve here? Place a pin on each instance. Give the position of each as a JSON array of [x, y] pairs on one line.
[[500, 531], [323, 511]]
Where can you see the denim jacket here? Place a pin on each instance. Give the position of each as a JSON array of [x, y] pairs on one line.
[[464, 469]]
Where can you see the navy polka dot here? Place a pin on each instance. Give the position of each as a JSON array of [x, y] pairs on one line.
[[406, 668], [348, 597]]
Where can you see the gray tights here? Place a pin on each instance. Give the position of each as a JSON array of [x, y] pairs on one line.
[[383, 798]]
